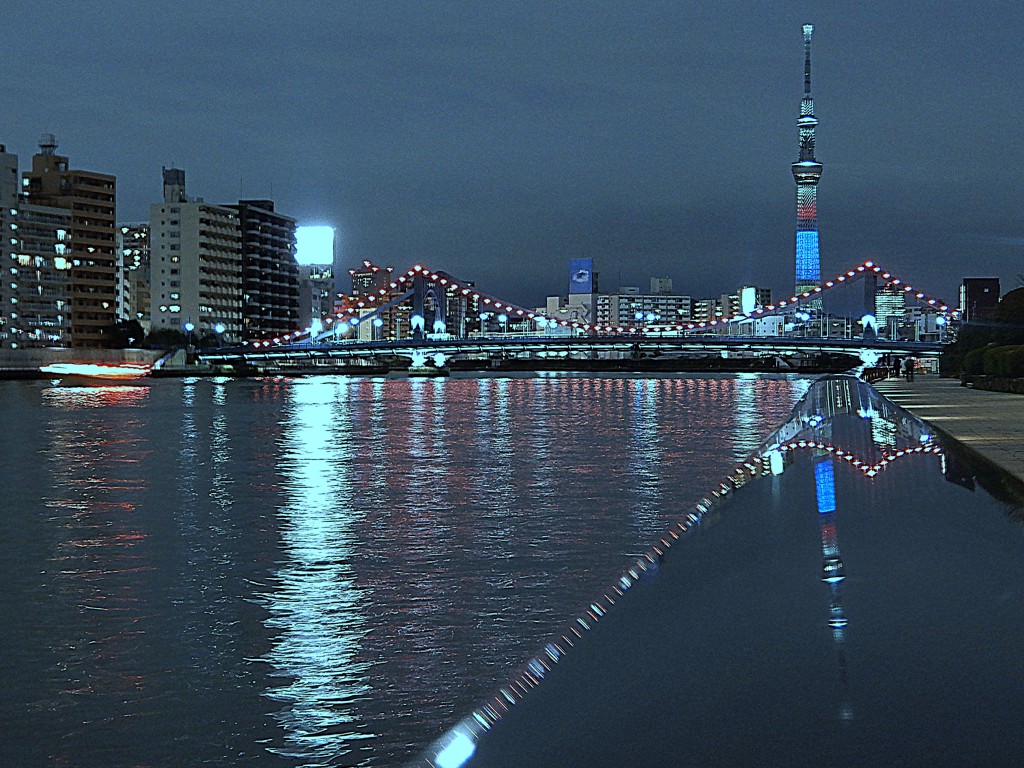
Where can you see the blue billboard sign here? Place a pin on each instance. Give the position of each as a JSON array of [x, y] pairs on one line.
[[581, 276]]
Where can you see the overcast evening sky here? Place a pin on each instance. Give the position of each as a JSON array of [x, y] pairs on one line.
[[497, 140]]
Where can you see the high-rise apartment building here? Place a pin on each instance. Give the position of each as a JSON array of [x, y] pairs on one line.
[[43, 281], [133, 258], [92, 198], [270, 276], [195, 264], [8, 246]]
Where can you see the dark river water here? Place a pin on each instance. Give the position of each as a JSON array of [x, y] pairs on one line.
[[322, 571]]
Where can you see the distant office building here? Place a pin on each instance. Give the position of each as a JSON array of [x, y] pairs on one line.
[[661, 285], [629, 307], [744, 301], [133, 258], [706, 310], [368, 278], [584, 287], [270, 275], [316, 293], [752, 297], [91, 197], [195, 264], [890, 308], [730, 304], [978, 298]]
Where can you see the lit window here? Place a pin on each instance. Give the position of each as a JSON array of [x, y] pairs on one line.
[[175, 308]]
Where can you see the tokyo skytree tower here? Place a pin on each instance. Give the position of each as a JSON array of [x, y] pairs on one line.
[[807, 171]]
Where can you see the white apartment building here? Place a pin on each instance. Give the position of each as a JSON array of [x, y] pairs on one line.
[[629, 307], [195, 264]]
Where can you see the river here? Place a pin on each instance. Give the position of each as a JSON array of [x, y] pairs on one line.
[[322, 571]]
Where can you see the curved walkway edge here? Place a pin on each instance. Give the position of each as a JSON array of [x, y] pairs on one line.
[[991, 424]]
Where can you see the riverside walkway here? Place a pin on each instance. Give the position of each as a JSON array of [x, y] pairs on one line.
[[990, 423]]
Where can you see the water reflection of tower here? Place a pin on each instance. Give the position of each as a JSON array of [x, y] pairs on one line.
[[833, 572]]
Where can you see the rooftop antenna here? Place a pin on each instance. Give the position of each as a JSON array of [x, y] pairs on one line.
[[47, 144]]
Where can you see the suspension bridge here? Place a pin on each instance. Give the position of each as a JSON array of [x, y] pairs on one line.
[[431, 319]]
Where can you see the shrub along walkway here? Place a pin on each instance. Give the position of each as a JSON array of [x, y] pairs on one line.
[[990, 423]]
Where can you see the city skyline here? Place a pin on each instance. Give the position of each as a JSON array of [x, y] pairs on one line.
[[500, 143]]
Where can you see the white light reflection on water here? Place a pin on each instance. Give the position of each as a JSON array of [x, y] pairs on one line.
[[746, 435], [315, 604], [645, 456]]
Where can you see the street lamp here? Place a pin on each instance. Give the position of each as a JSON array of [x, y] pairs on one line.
[[417, 324], [503, 319], [483, 318], [219, 330], [189, 327]]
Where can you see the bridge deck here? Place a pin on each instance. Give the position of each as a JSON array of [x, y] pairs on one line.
[[991, 423]]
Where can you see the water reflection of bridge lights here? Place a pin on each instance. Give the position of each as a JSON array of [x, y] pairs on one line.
[[869, 470]]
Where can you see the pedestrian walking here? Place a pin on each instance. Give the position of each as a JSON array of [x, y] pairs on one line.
[[908, 368]]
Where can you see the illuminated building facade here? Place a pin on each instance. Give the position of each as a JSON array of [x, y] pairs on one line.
[[8, 245], [624, 307], [270, 275], [133, 258], [807, 172], [43, 281], [890, 307], [706, 310], [316, 293], [91, 197], [369, 278], [195, 264], [36, 256]]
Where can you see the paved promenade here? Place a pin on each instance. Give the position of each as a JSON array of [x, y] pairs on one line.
[[991, 423]]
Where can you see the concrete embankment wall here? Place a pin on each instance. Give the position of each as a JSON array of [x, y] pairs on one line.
[[17, 363]]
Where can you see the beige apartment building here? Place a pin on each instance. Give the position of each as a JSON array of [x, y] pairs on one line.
[[91, 198]]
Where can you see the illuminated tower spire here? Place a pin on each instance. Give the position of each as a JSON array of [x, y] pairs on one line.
[[807, 171]]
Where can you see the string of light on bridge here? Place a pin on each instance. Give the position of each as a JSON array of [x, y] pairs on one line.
[[515, 312]]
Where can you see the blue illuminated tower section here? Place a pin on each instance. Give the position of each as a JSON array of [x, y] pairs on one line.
[[807, 171]]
